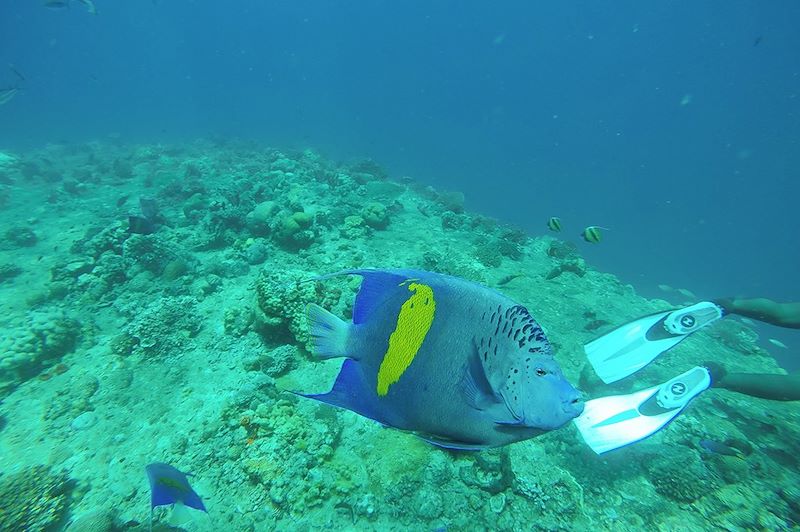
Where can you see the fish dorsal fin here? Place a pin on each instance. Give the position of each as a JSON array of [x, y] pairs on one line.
[[375, 288], [376, 285]]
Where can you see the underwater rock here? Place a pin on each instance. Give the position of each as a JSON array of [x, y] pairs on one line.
[[71, 270], [295, 230], [452, 201], [39, 339], [8, 271], [558, 249], [282, 301], [260, 220], [164, 327], [680, 474], [19, 237], [95, 521], [428, 504], [576, 266], [547, 490], [354, 228], [256, 253], [375, 215], [148, 252], [451, 220], [281, 360], [238, 321], [490, 472], [84, 421]]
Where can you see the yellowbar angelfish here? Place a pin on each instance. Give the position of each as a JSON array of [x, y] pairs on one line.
[[458, 364]]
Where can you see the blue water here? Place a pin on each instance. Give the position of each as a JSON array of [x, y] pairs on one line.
[[675, 125]]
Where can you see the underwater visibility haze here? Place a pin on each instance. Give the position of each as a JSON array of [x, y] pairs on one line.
[[510, 249]]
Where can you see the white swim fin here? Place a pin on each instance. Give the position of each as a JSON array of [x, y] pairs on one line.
[[611, 422], [629, 348]]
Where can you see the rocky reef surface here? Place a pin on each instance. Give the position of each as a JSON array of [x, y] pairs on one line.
[[151, 310]]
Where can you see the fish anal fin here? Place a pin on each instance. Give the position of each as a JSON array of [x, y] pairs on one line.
[[348, 392], [452, 445]]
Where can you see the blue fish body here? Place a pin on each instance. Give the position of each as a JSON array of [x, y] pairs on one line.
[[721, 448], [457, 363], [168, 485]]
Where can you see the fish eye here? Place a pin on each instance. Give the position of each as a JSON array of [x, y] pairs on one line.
[[540, 372]]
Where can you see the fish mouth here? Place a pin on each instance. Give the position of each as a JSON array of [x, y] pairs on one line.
[[574, 406]]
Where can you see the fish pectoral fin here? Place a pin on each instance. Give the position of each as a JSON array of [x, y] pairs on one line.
[[475, 386]]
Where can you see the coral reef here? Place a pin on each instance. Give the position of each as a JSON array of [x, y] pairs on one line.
[[33, 342], [35, 498], [161, 329], [282, 298], [681, 475], [120, 348]]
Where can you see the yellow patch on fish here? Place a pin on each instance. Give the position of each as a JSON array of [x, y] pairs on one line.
[[413, 323]]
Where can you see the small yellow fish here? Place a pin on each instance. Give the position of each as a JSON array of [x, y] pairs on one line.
[[592, 234], [554, 224]]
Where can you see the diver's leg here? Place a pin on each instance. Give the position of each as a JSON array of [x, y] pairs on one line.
[[763, 309], [764, 385]]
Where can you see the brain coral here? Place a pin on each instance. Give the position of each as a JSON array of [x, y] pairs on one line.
[[32, 342]]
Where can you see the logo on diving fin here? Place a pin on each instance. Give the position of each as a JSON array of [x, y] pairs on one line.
[[678, 388]]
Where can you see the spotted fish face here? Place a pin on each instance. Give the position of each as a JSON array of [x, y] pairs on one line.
[[518, 362], [538, 394]]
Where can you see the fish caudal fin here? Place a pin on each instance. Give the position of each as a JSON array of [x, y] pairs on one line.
[[328, 332]]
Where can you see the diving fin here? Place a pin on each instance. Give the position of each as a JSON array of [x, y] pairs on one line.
[[629, 348], [611, 422]]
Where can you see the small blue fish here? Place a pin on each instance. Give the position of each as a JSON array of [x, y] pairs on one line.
[[721, 448], [454, 362], [170, 486]]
